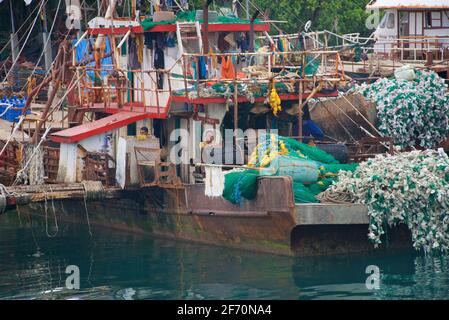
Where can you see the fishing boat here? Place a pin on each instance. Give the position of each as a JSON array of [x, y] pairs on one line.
[[147, 97]]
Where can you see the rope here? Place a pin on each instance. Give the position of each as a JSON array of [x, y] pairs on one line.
[[3, 194], [26, 40], [46, 220], [9, 106], [334, 197], [18, 30], [45, 45], [21, 171], [361, 115], [12, 134], [93, 190], [355, 123], [338, 121]]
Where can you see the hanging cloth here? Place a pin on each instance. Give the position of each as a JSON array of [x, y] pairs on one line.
[[159, 63], [202, 67], [133, 59], [214, 181], [139, 48], [149, 37], [285, 44], [227, 68], [213, 63]]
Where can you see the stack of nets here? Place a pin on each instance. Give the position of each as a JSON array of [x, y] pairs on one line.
[[413, 113], [241, 184], [410, 188]]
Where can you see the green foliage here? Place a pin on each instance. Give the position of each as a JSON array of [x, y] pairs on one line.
[[341, 16]]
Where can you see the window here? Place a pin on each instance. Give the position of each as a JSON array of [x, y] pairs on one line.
[[382, 23], [434, 19], [445, 22], [390, 21]]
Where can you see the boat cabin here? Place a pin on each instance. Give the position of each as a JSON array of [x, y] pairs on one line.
[[198, 71], [410, 28]]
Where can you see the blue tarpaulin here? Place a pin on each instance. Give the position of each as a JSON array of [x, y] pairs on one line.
[[84, 51]]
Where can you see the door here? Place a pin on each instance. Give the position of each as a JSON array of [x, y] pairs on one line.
[[416, 31], [404, 33]]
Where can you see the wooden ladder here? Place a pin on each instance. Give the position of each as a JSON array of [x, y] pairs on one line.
[[189, 31]]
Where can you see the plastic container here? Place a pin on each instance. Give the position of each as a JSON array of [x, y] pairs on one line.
[[405, 73]]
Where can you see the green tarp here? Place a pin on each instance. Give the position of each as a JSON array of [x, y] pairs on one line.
[[190, 16]]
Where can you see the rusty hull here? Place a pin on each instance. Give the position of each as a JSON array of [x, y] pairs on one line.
[[270, 223]]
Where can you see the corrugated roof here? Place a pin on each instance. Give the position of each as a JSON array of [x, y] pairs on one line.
[[409, 4]]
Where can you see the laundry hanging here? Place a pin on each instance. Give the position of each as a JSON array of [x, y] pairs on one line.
[[149, 37], [140, 48], [159, 63], [133, 55], [227, 68], [214, 181], [202, 67]]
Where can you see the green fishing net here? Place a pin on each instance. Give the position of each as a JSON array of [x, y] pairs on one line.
[[243, 183], [413, 113], [409, 188]]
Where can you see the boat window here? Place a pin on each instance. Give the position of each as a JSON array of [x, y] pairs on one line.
[[390, 21], [433, 19], [445, 22], [382, 23]]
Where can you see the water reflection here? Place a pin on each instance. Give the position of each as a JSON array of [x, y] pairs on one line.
[[123, 266]]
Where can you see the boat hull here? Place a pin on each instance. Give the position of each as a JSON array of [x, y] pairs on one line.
[[270, 223]]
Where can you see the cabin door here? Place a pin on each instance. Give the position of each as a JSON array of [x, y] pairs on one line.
[[403, 33], [416, 31]]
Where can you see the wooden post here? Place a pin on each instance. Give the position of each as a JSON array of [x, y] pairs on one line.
[[133, 9], [251, 30], [184, 70], [206, 26], [236, 109]]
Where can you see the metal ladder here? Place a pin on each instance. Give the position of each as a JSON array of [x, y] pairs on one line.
[[189, 31]]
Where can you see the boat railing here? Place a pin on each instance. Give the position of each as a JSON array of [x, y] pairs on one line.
[[150, 91], [128, 89], [326, 40], [413, 48], [262, 69]]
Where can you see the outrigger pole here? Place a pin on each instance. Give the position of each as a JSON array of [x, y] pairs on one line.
[[206, 26], [14, 42]]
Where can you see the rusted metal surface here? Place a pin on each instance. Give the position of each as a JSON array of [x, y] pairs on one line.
[[51, 163], [153, 172], [330, 214], [26, 194], [269, 223], [97, 167], [274, 195], [9, 161], [369, 147]]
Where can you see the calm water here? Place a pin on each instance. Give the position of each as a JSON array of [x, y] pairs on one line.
[[122, 266]]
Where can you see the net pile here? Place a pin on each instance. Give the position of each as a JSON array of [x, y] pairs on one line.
[[413, 113], [410, 188], [242, 183]]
